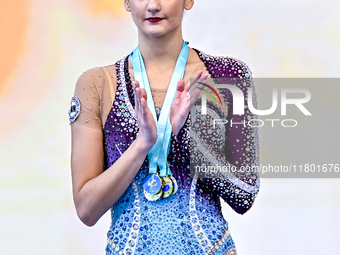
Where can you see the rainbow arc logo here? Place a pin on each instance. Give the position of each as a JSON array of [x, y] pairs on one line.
[[209, 93]]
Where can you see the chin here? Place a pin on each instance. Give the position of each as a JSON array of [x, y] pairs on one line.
[[156, 33], [159, 32]]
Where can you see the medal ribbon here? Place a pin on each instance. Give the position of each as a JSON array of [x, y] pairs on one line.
[[164, 127]]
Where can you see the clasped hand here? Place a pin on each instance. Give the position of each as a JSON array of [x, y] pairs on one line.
[[185, 98]]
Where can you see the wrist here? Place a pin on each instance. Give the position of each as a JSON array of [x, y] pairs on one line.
[[142, 145]]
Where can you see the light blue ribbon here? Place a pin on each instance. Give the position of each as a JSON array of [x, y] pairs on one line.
[[159, 152]]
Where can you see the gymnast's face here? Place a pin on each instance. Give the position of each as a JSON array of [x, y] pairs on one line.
[[157, 17]]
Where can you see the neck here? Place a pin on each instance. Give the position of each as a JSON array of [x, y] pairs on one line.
[[161, 51]]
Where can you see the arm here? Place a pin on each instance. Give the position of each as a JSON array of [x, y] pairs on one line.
[[241, 150], [95, 190]]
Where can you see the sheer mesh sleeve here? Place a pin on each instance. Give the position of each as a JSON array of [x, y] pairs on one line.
[[95, 91]]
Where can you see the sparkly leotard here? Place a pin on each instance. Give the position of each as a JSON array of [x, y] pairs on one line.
[[190, 221]]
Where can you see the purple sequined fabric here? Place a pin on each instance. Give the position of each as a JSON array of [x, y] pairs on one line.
[[190, 221]]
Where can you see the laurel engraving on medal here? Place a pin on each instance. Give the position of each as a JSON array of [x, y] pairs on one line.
[[152, 182]]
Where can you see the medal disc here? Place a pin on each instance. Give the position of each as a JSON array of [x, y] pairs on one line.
[[152, 184], [174, 183], [167, 186], [153, 197]]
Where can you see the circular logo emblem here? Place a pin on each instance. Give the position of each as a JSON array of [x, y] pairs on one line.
[[152, 184], [74, 111]]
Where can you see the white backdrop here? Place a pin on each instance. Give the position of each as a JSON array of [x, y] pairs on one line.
[[59, 39]]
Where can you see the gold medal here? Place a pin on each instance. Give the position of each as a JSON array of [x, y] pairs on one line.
[[153, 197], [174, 184], [167, 186]]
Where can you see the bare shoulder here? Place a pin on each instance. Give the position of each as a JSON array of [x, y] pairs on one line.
[[193, 59]]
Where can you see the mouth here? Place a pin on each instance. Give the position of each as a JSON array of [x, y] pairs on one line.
[[154, 19]]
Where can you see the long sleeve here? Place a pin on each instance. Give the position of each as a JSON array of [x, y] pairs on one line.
[[225, 146], [241, 150]]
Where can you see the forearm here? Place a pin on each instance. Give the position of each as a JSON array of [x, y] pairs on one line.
[[100, 193]]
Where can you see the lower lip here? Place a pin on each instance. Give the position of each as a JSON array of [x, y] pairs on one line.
[[155, 20]]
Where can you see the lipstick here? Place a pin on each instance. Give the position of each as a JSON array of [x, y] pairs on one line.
[[154, 19]]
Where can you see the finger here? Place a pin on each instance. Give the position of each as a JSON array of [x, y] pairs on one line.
[[143, 105], [143, 94], [197, 88], [138, 107], [140, 97], [197, 91], [180, 85], [193, 90], [136, 96], [136, 83], [194, 83], [144, 102], [195, 95], [180, 89], [193, 80], [201, 80], [200, 83]]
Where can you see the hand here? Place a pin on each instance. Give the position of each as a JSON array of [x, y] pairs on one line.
[[146, 122], [185, 98]]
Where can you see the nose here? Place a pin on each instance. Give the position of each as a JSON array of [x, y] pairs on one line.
[[154, 6]]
